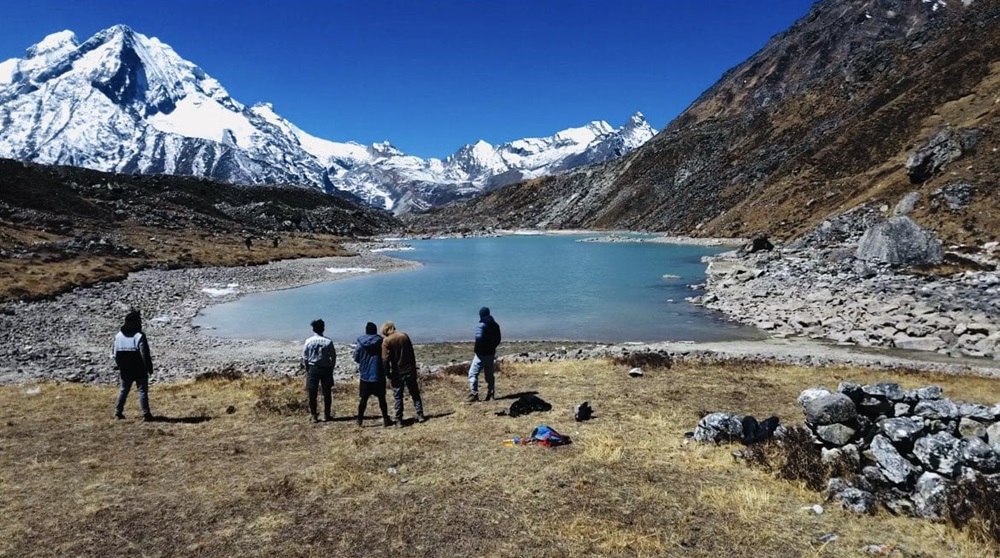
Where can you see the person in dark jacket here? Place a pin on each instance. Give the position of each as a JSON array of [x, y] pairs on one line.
[[487, 340], [134, 363], [401, 368], [368, 355], [320, 358]]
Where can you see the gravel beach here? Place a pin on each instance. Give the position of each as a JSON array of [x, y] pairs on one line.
[[68, 338]]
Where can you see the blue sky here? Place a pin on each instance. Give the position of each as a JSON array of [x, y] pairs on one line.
[[433, 75]]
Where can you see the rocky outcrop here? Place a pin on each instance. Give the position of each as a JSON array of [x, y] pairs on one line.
[[945, 147], [909, 447], [855, 288]]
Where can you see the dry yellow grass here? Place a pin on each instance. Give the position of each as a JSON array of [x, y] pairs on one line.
[[261, 481]]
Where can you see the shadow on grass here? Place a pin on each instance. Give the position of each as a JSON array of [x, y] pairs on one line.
[[411, 421], [180, 420], [517, 395]]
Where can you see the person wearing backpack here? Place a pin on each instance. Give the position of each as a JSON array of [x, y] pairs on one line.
[[487, 341], [368, 355]]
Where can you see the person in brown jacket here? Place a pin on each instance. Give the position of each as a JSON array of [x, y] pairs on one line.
[[401, 368]]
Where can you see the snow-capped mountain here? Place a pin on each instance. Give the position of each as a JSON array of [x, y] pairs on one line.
[[124, 102]]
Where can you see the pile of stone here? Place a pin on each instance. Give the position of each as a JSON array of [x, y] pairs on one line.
[[905, 449], [850, 281]]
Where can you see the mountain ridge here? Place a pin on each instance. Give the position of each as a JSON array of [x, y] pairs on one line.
[[124, 102], [822, 119]]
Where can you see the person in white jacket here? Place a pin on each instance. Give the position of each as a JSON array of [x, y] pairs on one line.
[[130, 352], [320, 358]]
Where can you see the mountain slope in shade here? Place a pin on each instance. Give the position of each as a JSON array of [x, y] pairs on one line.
[[830, 114], [124, 102]]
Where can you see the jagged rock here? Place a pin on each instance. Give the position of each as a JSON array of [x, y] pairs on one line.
[[931, 343], [979, 455], [976, 411], [847, 454], [851, 390], [830, 409], [719, 428], [993, 435], [856, 500], [907, 204], [894, 466], [936, 409], [970, 427], [902, 429], [899, 241], [956, 196], [946, 146], [902, 409], [931, 495], [940, 452], [928, 392], [835, 434], [885, 390], [759, 243], [809, 394]]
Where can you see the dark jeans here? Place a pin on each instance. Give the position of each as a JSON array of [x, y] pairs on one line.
[[141, 381], [316, 377], [368, 389], [410, 382]]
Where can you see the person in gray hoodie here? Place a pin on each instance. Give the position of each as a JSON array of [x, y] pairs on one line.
[[131, 354], [368, 355], [320, 358]]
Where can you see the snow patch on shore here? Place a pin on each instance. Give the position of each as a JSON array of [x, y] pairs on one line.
[[392, 249], [350, 269], [215, 292]]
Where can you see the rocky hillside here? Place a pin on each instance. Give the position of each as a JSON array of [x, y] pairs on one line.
[[859, 101], [62, 227]]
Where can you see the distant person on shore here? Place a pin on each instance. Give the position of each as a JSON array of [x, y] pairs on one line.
[[320, 358], [134, 363], [368, 355], [401, 368], [484, 360]]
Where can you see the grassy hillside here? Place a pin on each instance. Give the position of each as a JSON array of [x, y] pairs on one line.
[[234, 469]]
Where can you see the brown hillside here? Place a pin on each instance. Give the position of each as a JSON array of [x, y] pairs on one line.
[[63, 227], [822, 119]]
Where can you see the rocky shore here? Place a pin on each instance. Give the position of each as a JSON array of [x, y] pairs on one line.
[[820, 311], [844, 284]]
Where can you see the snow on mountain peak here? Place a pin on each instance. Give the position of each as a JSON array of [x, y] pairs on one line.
[[124, 102], [53, 44]]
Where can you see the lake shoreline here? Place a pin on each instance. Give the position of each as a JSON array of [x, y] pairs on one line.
[[68, 338]]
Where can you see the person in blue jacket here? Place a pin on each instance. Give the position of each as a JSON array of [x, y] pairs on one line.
[[368, 355], [487, 341]]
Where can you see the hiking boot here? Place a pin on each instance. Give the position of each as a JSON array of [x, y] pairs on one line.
[[314, 418], [421, 418], [119, 416], [489, 396], [399, 422], [472, 398], [359, 421], [386, 422], [327, 418], [148, 417]]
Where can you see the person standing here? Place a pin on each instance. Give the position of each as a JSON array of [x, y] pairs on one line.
[[487, 340], [320, 358], [134, 363], [368, 355], [401, 368]]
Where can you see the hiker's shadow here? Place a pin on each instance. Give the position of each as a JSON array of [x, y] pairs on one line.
[[517, 395], [412, 421], [180, 420]]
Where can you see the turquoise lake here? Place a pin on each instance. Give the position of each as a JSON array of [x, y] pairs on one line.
[[539, 287]]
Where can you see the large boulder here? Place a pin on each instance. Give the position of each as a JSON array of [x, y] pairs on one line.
[[946, 146], [979, 455], [830, 409], [942, 409], [894, 466], [930, 496], [902, 429], [835, 434], [899, 241], [940, 452], [719, 428]]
